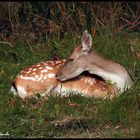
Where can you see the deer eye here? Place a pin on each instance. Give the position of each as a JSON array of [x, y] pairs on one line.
[[70, 59]]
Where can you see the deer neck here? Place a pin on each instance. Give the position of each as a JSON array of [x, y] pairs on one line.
[[109, 71]]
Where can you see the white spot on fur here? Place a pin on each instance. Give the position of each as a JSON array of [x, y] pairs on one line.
[[28, 78], [36, 76], [59, 62], [31, 78], [45, 77], [44, 71], [34, 69], [28, 71], [51, 75], [34, 73], [91, 82], [49, 68], [82, 79], [86, 80], [40, 68], [40, 78]]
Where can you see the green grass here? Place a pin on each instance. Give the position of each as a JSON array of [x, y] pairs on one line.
[[54, 117]]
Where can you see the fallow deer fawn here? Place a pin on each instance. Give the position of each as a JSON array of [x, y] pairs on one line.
[[83, 58], [40, 78]]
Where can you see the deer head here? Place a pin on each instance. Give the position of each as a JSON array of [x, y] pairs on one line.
[[77, 61]]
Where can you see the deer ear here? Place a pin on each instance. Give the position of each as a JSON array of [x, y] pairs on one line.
[[86, 41]]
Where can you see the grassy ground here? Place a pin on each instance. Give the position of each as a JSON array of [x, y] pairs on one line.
[[76, 116]]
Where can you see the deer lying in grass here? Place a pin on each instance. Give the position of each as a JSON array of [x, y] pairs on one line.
[[84, 58], [41, 78]]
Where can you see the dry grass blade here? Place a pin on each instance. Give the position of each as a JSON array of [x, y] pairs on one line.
[[5, 41], [68, 119]]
